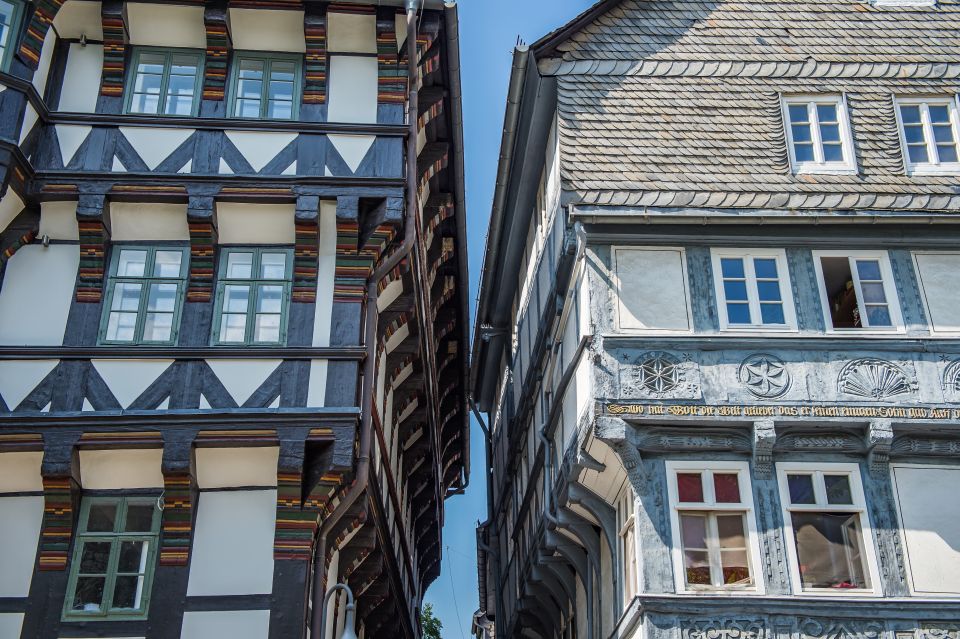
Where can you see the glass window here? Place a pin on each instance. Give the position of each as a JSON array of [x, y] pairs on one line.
[[9, 25], [113, 558], [825, 511], [253, 293], [711, 511], [754, 290], [929, 130], [628, 545], [817, 134], [266, 87], [144, 295], [857, 291], [165, 82]]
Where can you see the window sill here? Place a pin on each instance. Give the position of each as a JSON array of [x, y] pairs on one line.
[[922, 170], [825, 170]]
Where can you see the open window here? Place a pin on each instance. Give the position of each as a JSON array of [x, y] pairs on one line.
[[857, 291]]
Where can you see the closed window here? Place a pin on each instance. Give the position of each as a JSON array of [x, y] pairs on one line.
[[929, 130], [144, 295], [265, 87], [253, 294], [628, 545], [818, 135], [754, 289], [165, 82], [714, 533], [857, 291], [10, 13], [937, 274], [111, 572], [828, 533]]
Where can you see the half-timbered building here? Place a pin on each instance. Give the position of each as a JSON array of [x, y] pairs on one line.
[[233, 315]]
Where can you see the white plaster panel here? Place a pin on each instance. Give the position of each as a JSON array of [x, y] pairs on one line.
[[235, 624], [20, 472], [353, 90], [36, 295], [326, 271], [242, 376], [77, 18], [400, 24], [930, 509], [259, 147], [233, 545], [352, 148], [242, 223], [19, 377], [121, 468], [938, 276], [30, 117], [351, 32], [166, 25], [142, 221], [43, 66], [267, 30], [20, 519], [128, 378], [317, 387], [155, 145], [70, 138], [81, 80], [11, 624], [58, 220], [652, 290], [10, 207], [237, 467]]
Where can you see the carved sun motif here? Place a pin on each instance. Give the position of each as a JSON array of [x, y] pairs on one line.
[[874, 379], [659, 373], [765, 375]]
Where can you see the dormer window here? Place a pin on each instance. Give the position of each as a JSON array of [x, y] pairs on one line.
[[818, 134], [929, 130]]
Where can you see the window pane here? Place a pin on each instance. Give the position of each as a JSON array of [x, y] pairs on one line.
[[270, 299], [829, 550], [801, 489], [239, 265], [732, 267], [690, 488], [947, 153], [879, 316], [267, 329], [167, 263], [158, 327], [162, 297], [768, 291], [798, 112], [939, 114], [726, 488], [697, 565], [735, 568], [830, 132], [873, 293], [730, 532], [832, 153], [127, 592], [95, 557], [121, 327], [838, 489], [133, 556], [139, 517], [826, 113], [913, 134], [804, 152], [180, 95], [280, 110], [765, 268], [233, 328], [801, 133], [735, 290], [918, 153], [132, 263], [273, 266], [235, 298], [943, 133], [693, 531], [102, 517], [247, 108], [738, 313], [910, 113], [869, 270], [88, 597], [772, 314], [126, 297]]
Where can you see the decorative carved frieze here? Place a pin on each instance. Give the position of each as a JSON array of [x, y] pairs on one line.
[[765, 376], [817, 628], [875, 379], [659, 375], [764, 437], [951, 379], [834, 442], [723, 628], [925, 446]]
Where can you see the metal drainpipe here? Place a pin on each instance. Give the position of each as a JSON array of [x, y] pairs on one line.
[[370, 334], [494, 553]]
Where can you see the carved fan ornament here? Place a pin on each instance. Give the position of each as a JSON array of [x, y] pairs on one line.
[[874, 379], [951, 377], [766, 376]]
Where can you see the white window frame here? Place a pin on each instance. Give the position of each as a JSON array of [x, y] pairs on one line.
[[889, 289], [706, 468], [859, 506], [923, 290], [631, 588], [753, 296], [848, 166], [928, 168], [615, 277]]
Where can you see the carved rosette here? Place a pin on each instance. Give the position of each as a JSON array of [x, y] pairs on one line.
[[875, 379], [764, 375], [659, 375]]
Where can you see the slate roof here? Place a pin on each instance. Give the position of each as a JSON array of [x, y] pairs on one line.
[[677, 103]]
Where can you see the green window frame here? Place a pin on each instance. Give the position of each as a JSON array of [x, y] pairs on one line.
[[114, 556], [158, 82], [265, 86], [11, 13], [253, 296], [144, 294]]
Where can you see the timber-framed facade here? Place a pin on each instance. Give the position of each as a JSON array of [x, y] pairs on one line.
[[233, 315], [722, 390]]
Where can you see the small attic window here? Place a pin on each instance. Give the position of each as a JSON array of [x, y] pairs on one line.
[[903, 3]]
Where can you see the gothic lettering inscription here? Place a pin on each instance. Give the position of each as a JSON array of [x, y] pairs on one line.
[[693, 410]]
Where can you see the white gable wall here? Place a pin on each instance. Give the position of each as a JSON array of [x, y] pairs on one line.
[[241, 223], [141, 221], [267, 30], [119, 469], [26, 317], [166, 25], [81, 80], [20, 519]]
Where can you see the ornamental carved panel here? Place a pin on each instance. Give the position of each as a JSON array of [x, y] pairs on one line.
[[875, 380], [659, 375], [819, 628], [723, 628]]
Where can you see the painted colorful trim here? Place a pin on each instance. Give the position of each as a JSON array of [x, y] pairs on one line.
[[146, 439], [21, 442], [306, 256], [43, 14], [218, 54], [177, 523], [315, 58], [203, 249], [57, 529], [93, 239], [392, 73], [114, 47], [296, 527], [23, 240]]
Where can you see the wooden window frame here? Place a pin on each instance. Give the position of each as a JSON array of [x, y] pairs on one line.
[[145, 281], [753, 296], [13, 34], [253, 282], [268, 58], [848, 166], [930, 167], [168, 54], [114, 537]]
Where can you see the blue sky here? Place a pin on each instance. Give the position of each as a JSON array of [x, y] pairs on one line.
[[488, 33]]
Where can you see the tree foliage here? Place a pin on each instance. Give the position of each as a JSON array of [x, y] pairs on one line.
[[430, 625]]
